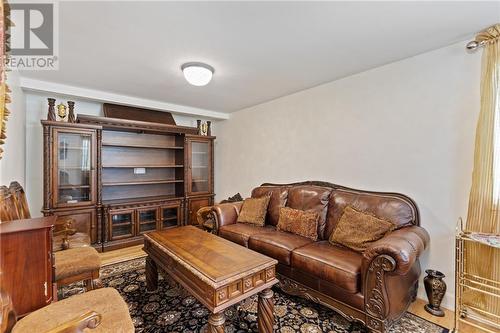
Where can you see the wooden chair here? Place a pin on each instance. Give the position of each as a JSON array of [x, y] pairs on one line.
[[65, 236], [102, 310], [75, 259], [8, 208]]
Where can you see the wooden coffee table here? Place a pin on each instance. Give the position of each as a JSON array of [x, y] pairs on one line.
[[219, 273]]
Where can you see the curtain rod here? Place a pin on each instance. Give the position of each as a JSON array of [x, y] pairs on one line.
[[473, 46], [482, 38]]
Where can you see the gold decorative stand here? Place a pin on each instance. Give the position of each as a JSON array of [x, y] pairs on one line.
[[478, 318]]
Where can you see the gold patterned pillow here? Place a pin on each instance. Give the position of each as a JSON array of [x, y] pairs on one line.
[[357, 230], [254, 210], [300, 222]]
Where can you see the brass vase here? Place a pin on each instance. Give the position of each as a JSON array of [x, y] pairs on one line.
[[435, 288]]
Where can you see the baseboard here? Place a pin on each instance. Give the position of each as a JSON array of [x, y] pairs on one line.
[[448, 299]]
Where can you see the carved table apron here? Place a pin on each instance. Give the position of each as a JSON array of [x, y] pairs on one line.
[[215, 271]]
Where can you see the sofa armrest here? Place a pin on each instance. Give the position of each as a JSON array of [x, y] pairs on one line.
[[390, 270], [226, 213], [404, 246]]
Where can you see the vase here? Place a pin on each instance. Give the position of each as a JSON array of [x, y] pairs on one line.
[[435, 289]]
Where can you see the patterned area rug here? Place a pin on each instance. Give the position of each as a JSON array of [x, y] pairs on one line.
[[172, 309]]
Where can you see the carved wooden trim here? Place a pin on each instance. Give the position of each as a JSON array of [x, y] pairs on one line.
[[135, 124], [216, 323], [376, 299], [47, 193], [265, 311], [294, 288]]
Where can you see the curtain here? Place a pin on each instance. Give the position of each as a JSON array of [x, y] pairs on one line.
[[4, 89], [484, 201]]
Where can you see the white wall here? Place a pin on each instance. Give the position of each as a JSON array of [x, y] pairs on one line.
[[12, 162], [406, 127], [36, 110]]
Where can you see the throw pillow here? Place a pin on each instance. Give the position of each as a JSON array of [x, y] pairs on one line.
[[357, 230], [300, 222], [254, 210]]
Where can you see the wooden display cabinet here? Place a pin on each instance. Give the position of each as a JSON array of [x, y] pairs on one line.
[[199, 161], [121, 178], [71, 158]]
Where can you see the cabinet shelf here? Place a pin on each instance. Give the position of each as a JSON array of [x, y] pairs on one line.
[[147, 222], [172, 218], [73, 148], [143, 182], [69, 187], [131, 145], [121, 224], [145, 166]]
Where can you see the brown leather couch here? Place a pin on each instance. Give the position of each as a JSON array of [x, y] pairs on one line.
[[375, 287]]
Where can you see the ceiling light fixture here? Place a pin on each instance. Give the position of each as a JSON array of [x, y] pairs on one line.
[[197, 73]]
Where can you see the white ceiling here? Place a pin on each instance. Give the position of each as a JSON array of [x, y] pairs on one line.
[[260, 50]]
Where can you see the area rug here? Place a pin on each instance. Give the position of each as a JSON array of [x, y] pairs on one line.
[[172, 309]]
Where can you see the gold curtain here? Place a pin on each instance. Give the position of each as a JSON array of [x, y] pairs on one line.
[[484, 202], [4, 89]]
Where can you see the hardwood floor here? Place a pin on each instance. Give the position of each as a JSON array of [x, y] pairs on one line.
[[127, 253], [416, 308]]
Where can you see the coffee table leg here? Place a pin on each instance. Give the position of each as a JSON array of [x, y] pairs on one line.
[[216, 323], [151, 274], [265, 311]]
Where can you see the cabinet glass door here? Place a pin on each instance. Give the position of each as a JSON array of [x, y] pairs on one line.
[[122, 224], [169, 217], [200, 167], [74, 167], [147, 220]]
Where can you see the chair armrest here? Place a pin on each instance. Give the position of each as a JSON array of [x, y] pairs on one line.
[[89, 320], [63, 223], [63, 227], [404, 246], [226, 213]]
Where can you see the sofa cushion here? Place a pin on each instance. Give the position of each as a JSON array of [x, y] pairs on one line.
[[335, 264], [357, 230], [299, 222], [254, 211], [278, 199], [386, 206], [309, 197], [277, 244], [239, 232]]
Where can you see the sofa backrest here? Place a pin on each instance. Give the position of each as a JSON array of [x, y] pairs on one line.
[[330, 200], [310, 197], [279, 196]]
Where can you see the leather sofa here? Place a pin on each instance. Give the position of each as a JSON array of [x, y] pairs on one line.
[[374, 287]]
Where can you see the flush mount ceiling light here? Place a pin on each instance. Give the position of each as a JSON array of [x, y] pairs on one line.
[[197, 73]]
